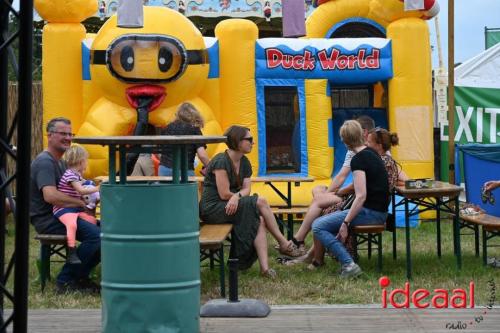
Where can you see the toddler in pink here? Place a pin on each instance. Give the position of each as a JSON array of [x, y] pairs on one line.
[[71, 184]]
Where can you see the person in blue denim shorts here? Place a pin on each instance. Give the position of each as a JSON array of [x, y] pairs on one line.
[[370, 206]]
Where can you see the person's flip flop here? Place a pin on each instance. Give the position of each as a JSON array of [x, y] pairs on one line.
[[283, 260]]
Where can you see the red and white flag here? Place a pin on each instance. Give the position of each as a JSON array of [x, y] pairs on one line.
[[414, 4]]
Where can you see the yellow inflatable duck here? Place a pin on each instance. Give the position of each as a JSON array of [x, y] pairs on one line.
[[136, 75]]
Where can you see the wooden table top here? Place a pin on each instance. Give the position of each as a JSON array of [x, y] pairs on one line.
[[201, 178], [439, 189], [483, 219], [149, 139]]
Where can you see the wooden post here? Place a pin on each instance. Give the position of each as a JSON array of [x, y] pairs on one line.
[[451, 91]]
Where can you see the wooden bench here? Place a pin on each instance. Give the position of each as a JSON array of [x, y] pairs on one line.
[[49, 245], [372, 235], [212, 237], [281, 212], [490, 226]]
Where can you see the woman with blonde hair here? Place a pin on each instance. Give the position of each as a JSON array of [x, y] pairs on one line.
[[371, 188], [381, 141], [188, 121]]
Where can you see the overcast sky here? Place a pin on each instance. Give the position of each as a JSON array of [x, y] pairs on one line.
[[471, 16]]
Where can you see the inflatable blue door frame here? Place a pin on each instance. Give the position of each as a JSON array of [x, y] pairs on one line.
[[261, 122]]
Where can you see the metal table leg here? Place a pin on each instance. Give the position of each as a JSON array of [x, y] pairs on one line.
[[123, 164], [176, 164], [112, 164], [408, 246], [438, 226], [485, 246], [394, 254], [184, 164], [456, 228]]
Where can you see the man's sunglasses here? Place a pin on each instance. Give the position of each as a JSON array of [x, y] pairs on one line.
[[249, 139], [71, 135]]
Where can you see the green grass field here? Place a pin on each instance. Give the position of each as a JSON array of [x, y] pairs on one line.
[[297, 285]]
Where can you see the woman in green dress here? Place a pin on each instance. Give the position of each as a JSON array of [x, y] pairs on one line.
[[226, 199]]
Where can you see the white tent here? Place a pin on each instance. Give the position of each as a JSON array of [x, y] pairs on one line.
[[481, 71]]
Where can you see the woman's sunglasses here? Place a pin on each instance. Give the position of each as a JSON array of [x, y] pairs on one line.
[[249, 139]]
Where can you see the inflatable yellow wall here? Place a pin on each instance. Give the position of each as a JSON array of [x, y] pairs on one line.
[[98, 102]]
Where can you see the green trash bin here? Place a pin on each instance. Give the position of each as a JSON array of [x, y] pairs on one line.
[[150, 257]]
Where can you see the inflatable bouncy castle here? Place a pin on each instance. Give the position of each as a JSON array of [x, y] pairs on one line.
[[359, 57]]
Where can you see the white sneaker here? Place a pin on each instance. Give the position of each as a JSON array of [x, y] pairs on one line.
[[350, 270]]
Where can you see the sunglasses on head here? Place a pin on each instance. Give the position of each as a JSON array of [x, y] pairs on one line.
[[249, 139], [378, 131]]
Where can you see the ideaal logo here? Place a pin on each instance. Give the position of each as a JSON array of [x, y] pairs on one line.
[[439, 299], [328, 61], [419, 298]]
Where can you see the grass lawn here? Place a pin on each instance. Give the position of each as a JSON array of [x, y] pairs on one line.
[[297, 285]]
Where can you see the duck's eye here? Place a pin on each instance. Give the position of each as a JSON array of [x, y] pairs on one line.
[[127, 58], [164, 59]]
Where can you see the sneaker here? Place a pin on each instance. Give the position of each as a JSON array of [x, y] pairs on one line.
[[72, 256], [64, 288], [350, 270]]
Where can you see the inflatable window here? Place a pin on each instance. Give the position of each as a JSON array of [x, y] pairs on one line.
[[282, 129]]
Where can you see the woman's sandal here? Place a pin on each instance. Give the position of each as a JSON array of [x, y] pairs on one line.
[[301, 246], [269, 273], [298, 260], [291, 250], [314, 265], [283, 260]]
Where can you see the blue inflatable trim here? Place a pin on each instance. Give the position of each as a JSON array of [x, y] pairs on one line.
[[212, 45], [261, 122], [85, 61]]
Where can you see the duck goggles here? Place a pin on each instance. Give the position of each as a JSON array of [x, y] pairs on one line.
[[133, 58]]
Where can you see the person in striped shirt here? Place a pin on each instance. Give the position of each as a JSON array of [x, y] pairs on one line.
[[71, 184]]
